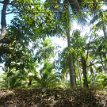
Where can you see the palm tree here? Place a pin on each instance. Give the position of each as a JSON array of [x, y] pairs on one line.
[[99, 24], [99, 21], [47, 77], [67, 27]]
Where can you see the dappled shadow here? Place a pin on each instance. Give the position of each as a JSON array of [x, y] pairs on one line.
[[52, 98]]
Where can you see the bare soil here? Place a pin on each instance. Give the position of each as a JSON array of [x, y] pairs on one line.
[[52, 98]]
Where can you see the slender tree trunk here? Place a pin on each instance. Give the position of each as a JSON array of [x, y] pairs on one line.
[[104, 26], [92, 74], [102, 63], [70, 62], [84, 68], [71, 68], [3, 19], [79, 74], [30, 82], [104, 31]]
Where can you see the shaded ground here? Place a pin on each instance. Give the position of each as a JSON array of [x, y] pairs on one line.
[[52, 98]]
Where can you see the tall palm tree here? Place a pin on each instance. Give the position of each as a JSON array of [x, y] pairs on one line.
[[70, 62], [66, 12]]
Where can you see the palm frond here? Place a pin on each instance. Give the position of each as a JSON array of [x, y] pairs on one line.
[[97, 16]]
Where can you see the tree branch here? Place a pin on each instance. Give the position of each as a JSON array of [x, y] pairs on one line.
[[96, 63], [2, 2]]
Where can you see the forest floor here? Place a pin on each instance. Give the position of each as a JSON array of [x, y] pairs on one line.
[[52, 98]]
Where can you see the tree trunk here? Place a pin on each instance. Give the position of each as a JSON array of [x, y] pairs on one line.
[[104, 31], [30, 82], [70, 62], [75, 4], [79, 74], [3, 19], [104, 26], [71, 69], [84, 68], [92, 74]]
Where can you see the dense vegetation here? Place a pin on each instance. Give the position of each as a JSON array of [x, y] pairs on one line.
[[31, 60]]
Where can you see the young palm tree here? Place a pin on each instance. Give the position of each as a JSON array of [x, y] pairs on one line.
[[47, 77]]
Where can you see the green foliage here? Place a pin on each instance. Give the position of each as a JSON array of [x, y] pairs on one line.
[[47, 77], [45, 50], [100, 81]]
